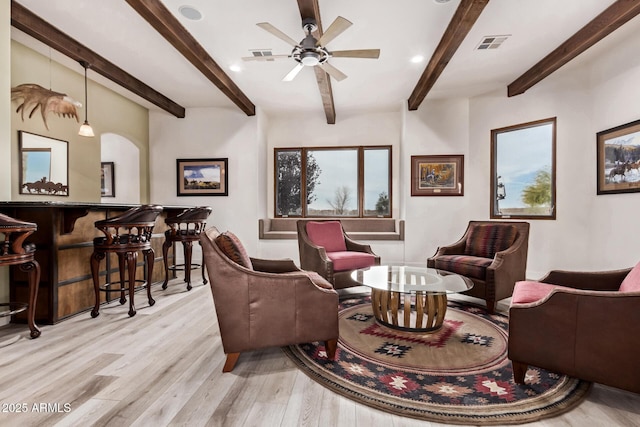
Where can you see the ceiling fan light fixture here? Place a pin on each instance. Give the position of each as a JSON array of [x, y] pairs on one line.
[[309, 59]]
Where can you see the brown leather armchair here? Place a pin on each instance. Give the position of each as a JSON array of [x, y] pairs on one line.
[[326, 249], [266, 303], [582, 324], [493, 254]]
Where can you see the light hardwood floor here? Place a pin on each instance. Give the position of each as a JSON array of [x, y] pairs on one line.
[[164, 367]]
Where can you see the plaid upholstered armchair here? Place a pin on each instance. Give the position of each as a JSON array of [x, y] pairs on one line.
[[493, 254]]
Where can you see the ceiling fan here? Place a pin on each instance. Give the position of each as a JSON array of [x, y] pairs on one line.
[[311, 52]]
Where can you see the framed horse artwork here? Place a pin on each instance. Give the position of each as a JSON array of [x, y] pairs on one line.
[[44, 166], [619, 159]]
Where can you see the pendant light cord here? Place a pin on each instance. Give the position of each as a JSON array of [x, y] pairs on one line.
[[86, 105]]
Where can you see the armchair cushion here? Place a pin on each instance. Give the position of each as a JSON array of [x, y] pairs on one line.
[[466, 265], [327, 234], [231, 246], [351, 260], [485, 240], [527, 291], [631, 283]]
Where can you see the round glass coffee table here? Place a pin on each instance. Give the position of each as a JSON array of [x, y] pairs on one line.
[[410, 298]]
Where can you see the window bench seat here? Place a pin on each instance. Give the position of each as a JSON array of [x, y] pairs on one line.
[[356, 228]]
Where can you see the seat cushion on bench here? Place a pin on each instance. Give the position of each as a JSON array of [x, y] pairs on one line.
[[466, 265], [351, 260]]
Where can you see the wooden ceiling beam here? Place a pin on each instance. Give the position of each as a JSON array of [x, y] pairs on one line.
[[461, 23], [160, 18], [311, 9], [601, 26], [24, 20]]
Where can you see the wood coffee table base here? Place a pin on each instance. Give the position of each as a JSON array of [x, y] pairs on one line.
[[395, 310]]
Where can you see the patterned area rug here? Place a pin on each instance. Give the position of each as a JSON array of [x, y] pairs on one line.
[[458, 375]]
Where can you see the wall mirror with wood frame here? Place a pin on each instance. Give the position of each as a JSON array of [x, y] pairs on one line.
[[44, 165], [523, 171]]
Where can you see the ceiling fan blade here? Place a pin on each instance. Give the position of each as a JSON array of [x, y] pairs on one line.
[[360, 53], [276, 32], [333, 71], [293, 73], [264, 58], [335, 29]]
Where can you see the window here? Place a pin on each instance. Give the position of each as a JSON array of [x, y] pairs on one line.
[[338, 182], [523, 171]]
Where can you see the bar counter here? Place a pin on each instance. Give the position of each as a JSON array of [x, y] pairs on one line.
[[64, 243]]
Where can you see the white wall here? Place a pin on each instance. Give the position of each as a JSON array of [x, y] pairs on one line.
[[437, 127], [313, 131], [126, 158], [591, 232], [207, 133]]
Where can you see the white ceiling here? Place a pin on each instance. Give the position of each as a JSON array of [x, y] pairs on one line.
[[401, 29]]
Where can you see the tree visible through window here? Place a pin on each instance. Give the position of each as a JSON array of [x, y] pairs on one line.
[[523, 170], [346, 181]]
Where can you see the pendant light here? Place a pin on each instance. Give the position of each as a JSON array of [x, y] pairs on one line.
[[85, 129]]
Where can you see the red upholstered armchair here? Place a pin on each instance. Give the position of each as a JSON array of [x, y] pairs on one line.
[[266, 303], [493, 254], [582, 324], [326, 249]]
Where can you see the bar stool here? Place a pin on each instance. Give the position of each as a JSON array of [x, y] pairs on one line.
[[184, 228], [13, 251], [125, 235]]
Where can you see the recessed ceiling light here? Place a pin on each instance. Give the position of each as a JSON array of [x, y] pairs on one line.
[[235, 68], [190, 12], [441, 1], [417, 59]]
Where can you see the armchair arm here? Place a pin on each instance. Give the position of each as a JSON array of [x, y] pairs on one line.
[[453, 249], [595, 280], [508, 267], [274, 265], [355, 246], [312, 257]]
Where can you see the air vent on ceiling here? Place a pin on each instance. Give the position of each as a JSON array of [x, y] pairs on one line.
[[262, 52], [492, 42]]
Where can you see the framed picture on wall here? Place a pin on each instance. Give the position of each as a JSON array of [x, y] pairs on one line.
[[108, 179], [439, 175], [43, 165], [619, 159], [202, 177]]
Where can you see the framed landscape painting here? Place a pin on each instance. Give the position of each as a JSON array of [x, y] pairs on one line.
[[619, 159], [439, 175], [202, 177]]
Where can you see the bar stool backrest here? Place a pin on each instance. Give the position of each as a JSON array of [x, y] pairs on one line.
[[15, 233], [133, 226], [189, 221]]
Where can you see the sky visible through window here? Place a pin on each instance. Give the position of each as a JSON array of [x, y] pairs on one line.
[[521, 155], [339, 168]]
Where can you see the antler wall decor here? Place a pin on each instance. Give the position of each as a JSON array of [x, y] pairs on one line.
[[33, 95]]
